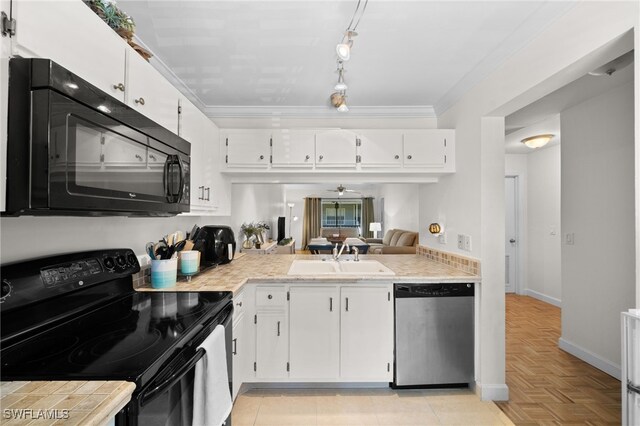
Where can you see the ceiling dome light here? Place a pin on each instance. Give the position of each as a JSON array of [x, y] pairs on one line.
[[537, 141], [617, 64], [344, 51]]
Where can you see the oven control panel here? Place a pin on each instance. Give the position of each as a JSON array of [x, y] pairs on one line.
[[87, 270]]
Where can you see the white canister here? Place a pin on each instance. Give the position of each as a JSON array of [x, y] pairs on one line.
[[164, 273]]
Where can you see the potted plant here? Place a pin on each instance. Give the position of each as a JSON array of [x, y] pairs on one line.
[[248, 230], [262, 229], [119, 21]]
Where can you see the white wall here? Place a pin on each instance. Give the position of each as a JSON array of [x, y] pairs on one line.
[[28, 237], [472, 200], [598, 208], [256, 203], [401, 206], [544, 278]]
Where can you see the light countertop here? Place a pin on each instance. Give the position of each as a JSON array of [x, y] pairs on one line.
[[270, 268], [62, 402]]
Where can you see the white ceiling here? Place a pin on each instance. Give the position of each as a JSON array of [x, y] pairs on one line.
[[252, 58], [543, 115]]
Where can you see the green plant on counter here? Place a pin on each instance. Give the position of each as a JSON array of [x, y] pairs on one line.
[[248, 230], [285, 241]]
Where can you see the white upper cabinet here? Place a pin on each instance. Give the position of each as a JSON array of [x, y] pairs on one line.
[[293, 148], [248, 149], [427, 148], [335, 148], [69, 33], [151, 94], [380, 148]]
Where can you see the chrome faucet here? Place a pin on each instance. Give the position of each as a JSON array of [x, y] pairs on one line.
[[336, 253], [355, 254]]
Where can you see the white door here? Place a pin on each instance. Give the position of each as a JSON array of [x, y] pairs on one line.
[[293, 148], [366, 338], [380, 148], [85, 45], [314, 342], [248, 149], [272, 345], [336, 148], [510, 234]]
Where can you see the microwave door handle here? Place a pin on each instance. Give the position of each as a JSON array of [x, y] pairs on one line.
[[182, 179], [165, 177], [150, 394]]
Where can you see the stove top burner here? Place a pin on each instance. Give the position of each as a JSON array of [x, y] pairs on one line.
[[114, 347]]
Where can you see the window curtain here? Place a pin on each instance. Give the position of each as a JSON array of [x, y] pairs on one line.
[[312, 220], [367, 216]]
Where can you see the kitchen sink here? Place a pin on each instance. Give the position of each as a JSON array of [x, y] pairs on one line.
[[365, 267], [331, 267]]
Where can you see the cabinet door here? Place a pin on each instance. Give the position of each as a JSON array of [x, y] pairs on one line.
[[293, 148], [150, 93], [380, 148], [248, 149], [191, 128], [335, 148], [69, 33], [425, 148], [272, 345], [366, 338], [239, 352], [314, 343]]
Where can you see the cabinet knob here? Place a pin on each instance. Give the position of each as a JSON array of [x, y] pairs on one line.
[[239, 304], [321, 157], [397, 157], [153, 157], [140, 101], [269, 297], [262, 157], [306, 158], [409, 157], [119, 87], [139, 157]]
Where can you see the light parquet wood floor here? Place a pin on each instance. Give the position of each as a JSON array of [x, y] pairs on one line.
[[548, 386]]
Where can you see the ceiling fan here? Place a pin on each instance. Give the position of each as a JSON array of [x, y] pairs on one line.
[[341, 190]]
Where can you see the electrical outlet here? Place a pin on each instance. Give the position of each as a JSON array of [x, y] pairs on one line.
[[569, 238], [442, 238], [461, 241], [467, 242]]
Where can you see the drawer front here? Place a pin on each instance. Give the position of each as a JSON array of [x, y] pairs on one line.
[[271, 297]]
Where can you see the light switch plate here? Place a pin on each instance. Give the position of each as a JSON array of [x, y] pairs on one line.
[[467, 242], [461, 241], [442, 238], [569, 238]]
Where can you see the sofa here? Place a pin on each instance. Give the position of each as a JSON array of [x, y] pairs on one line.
[[395, 241], [343, 232]]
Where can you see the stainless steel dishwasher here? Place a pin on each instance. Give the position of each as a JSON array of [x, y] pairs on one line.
[[433, 335]]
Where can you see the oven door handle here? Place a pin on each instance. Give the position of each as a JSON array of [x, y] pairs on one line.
[[148, 395]]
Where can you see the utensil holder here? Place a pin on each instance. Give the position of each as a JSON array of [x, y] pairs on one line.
[[164, 273], [189, 262]]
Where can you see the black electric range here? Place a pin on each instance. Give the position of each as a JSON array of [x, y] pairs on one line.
[[77, 317]]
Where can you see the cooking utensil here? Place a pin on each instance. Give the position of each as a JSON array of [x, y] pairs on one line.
[[193, 232], [150, 250], [161, 249], [179, 246], [188, 245]]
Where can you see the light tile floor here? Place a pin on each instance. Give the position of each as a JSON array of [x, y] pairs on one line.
[[303, 407]]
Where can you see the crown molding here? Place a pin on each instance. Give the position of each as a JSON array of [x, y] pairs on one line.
[[318, 111]]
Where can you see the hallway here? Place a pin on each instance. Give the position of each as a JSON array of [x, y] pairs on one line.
[[546, 384]]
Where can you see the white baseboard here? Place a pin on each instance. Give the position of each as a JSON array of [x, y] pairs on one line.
[[540, 296], [590, 358], [491, 392]]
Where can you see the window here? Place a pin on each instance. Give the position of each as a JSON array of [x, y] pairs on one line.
[[343, 213]]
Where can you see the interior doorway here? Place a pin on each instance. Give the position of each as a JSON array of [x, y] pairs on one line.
[[512, 239]]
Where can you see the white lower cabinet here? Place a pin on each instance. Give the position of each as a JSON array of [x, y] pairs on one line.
[[272, 345], [314, 344], [323, 333], [366, 333]]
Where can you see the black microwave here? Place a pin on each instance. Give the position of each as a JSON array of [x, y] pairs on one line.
[[74, 150]]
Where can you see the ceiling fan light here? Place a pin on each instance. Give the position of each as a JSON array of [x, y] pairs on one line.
[[343, 50], [340, 86], [537, 141]]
